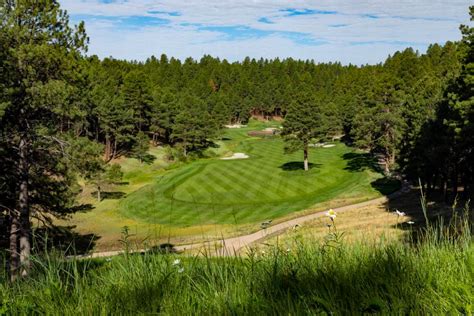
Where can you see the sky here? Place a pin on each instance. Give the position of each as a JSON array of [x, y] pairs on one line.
[[347, 31]]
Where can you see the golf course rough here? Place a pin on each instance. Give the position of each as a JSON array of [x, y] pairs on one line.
[[267, 185]]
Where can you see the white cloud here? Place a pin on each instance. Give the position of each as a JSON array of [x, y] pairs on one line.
[[398, 24]]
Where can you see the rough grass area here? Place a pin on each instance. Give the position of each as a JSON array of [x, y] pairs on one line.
[[268, 185], [369, 223], [433, 276]]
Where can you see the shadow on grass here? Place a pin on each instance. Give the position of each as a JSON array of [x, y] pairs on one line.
[[298, 165], [386, 186], [360, 162], [63, 239], [122, 183], [113, 195], [83, 208], [106, 195], [165, 248], [442, 219], [357, 162], [332, 289], [148, 159]]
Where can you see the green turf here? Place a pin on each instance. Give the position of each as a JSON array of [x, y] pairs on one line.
[[268, 185]]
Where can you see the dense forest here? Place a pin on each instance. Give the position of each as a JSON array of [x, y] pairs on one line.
[[65, 115]]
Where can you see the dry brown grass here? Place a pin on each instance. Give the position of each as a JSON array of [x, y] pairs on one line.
[[369, 224]]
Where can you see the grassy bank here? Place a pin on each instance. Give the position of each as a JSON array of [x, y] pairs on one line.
[[434, 275]]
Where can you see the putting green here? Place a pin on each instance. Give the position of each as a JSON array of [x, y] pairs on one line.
[[267, 185]]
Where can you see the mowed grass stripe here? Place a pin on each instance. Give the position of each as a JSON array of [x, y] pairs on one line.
[[218, 183], [250, 190], [213, 187], [238, 177], [219, 178], [263, 180], [267, 185]]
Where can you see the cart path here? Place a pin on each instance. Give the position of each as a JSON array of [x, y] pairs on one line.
[[231, 246]]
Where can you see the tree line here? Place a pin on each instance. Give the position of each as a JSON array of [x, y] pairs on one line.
[[65, 115]]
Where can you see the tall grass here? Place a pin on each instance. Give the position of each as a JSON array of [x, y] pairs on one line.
[[432, 274]]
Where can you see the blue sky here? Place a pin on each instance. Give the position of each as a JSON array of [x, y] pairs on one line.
[[349, 31]]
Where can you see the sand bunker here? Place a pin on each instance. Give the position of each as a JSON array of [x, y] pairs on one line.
[[236, 156], [235, 126], [323, 145]]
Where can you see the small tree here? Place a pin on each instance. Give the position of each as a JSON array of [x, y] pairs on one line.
[[102, 175], [114, 174], [141, 146], [303, 123], [97, 178]]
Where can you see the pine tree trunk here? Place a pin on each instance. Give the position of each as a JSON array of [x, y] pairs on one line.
[[428, 186], [24, 209], [108, 148], [387, 168], [392, 159], [306, 162], [435, 182], [445, 188], [14, 267], [98, 193], [454, 183], [114, 154]]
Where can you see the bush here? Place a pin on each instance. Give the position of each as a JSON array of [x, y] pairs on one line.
[[114, 174]]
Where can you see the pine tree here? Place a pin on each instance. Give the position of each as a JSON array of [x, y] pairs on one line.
[[194, 127], [140, 146], [40, 67], [304, 124]]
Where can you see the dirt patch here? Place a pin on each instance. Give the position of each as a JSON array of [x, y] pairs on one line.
[[267, 118], [260, 133], [265, 132]]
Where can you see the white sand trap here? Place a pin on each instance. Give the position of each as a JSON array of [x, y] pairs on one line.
[[236, 156], [235, 126], [329, 146], [270, 129]]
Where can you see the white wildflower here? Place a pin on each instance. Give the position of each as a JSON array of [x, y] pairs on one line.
[[181, 270], [176, 262], [410, 222], [331, 214], [401, 214]]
